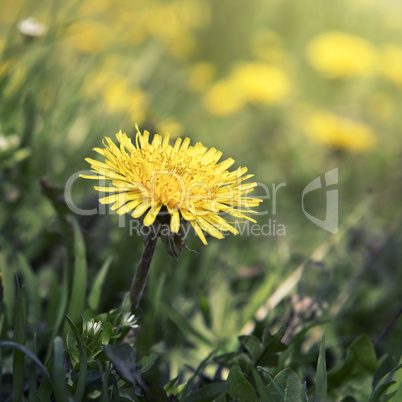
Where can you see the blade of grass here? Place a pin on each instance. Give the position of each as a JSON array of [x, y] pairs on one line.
[[82, 375], [183, 325], [79, 284], [105, 396], [262, 390], [7, 280], [33, 386], [321, 375], [27, 352], [59, 300], [281, 291], [59, 382], [19, 337], [32, 285], [1, 370], [96, 291], [186, 390]]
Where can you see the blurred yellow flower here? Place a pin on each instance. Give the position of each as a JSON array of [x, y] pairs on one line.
[[250, 82], [183, 182], [200, 75], [261, 83], [340, 55], [102, 24], [172, 23], [120, 98], [338, 131], [391, 63], [224, 98], [170, 126]]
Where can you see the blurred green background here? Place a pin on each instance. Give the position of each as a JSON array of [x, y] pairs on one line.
[[289, 89]]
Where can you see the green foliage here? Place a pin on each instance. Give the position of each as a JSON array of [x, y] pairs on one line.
[[243, 320]]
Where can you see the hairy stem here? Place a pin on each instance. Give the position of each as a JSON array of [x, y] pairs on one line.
[[140, 277]]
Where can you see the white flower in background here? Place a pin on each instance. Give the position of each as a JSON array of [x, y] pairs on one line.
[[32, 28]]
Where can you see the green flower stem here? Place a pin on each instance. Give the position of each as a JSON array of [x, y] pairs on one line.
[[140, 277]]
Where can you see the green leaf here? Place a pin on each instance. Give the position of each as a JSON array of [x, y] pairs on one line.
[[206, 311], [304, 396], [290, 385], [59, 372], [19, 337], [360, 362], [124, 358], [385, 383], [146, 362], [321, 375], [79, 393], [229, 359], [96, 291], [128, 394], [208, 392], [272, 343], [397, 377], [253, 346], [170, 384], [79, 283], [262, 390], [107, 332], [398, 395], [239, 387]]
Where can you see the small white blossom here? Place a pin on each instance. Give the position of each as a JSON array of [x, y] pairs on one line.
[[31, 27], [129, 320], [8, 142], [93, 327]]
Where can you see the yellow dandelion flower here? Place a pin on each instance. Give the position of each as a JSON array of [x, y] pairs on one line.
[[338, 131], [224, 98], [391, 63], [120, 98], [339, 55], [262, 83], [184, 181]]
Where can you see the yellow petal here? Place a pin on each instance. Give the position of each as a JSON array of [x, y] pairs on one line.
[[152, 214], [199, 232], [174, 222]]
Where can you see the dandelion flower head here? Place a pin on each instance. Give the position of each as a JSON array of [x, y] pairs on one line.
[[337, 131], [254, 82], [341, 55], [186, 182]]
